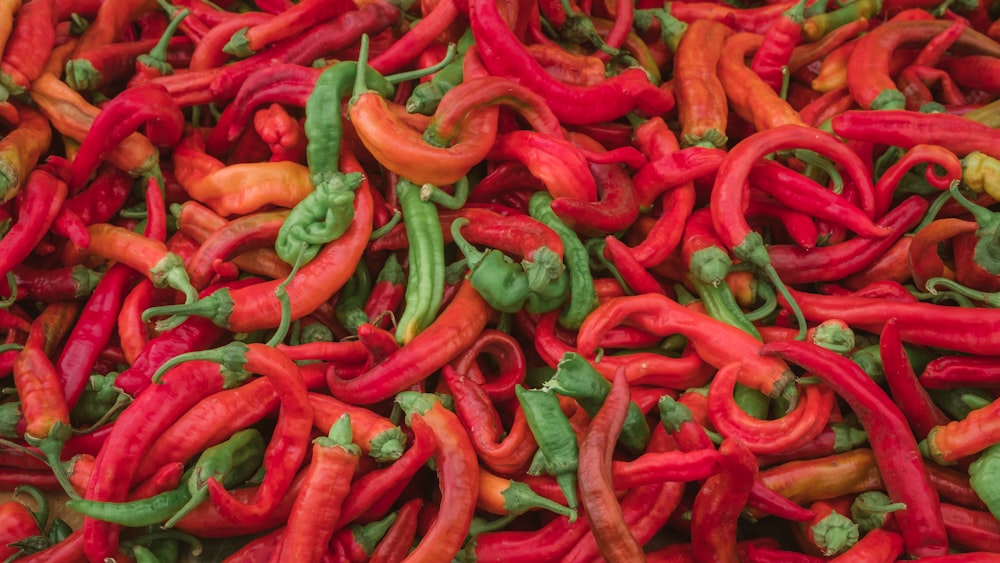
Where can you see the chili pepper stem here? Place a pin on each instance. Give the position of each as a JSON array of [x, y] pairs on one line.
[[51, 446]]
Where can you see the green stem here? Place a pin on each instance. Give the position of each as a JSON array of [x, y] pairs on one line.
[[449, 56]]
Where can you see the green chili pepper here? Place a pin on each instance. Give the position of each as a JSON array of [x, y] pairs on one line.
[[98, 398], [425, 281], [954, 402], [427, 95], [321, 217], [984, 477], [582, 294], [350, 307], [232, 462], [506, 286], [576, 377], [555, 437]]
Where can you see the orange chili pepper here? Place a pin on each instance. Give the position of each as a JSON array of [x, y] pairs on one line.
[[72, 115], [20, 150]]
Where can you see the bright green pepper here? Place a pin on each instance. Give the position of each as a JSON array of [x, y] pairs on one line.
[[576, 377], [321, 217], [425, 281]]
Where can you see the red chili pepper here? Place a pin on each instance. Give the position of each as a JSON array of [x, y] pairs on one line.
[[790, 431], [940, 158], [689, 370], [426, 30], [457, 471], [801, 193], [973, 71], [19, 523], [953, 328], [676, 169], [450, 333], [556, 162], [283, 133], [666, 232], [776, 49], [288, 23], [893, 444], [396, 542], [288, 444], [374, 493], [28, 47], [317, 506], [907, 391], [947, 372], [635, 276], [38, 204], [504, 55], [716, 342], [829, 263], [313, 43], [147, 103], [907, 129], [719, 502], [868, 66], [93, 331], [616, 207]]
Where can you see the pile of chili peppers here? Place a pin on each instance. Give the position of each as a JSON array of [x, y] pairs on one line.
[[517, 280]]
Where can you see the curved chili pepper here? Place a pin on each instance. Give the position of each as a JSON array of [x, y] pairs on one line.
[[448, 335], [20, 150], [457, 466], [717, 343], [505, 454], [828, 263], [941, 158], [719, 502], [148, 103], [504, 56], [73, 116], [792, 430], [890, 437], [288, 23], [868, 66], [596, 489], [39, 204], [776, 49], [317, 507], [152, 412], [155, 63], [145, 255], [751, 98], [243, 233], [417, 38], [555, 161], [801, 193], [315, 42]]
